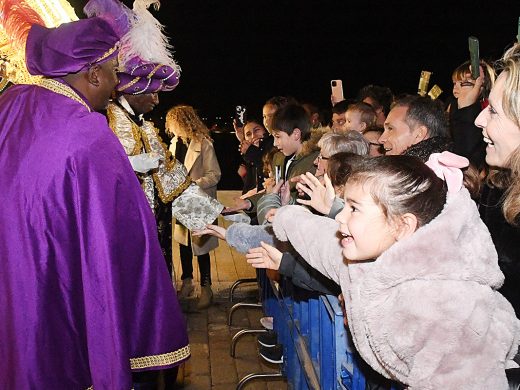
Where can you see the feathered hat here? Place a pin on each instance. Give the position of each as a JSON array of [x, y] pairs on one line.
[[145, 60], [17, 17]]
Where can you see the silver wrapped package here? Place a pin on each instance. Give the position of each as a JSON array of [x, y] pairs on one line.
[[195, 209]]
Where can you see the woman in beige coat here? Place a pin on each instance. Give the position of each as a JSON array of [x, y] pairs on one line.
[[192, 145]]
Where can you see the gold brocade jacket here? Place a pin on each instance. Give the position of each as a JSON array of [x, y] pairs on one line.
[[170, 178]]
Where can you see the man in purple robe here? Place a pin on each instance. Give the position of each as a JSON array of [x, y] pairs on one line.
[[85, 297]]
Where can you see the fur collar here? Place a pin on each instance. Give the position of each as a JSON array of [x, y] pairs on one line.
[[431, 145], [456, 245], [426, 313]]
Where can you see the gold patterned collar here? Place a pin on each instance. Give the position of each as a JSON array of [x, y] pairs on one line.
[[63, 89]]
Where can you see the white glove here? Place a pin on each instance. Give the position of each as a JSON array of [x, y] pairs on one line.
[[142, 163]]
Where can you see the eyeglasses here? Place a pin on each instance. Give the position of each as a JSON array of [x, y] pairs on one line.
[[320, 157]]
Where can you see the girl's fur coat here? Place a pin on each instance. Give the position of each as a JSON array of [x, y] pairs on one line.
[[426, 312]]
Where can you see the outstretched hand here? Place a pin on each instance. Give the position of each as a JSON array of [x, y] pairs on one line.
[[212, 230], [240, 204], [265, 256], [322, 196]]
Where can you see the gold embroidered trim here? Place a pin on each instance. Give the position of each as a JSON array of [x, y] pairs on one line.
[[160, 360], [62, 89], [129, 84], [3, 83], [153, 71], [164, 359], [108, 53], [169, 163]]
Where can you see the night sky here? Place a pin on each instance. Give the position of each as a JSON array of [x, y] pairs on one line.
[[243, 52]]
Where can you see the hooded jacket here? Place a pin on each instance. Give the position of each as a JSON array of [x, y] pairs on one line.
[[426, 313]]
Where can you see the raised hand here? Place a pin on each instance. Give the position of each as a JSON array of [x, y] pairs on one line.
[[285, 194], [470, 89], [322, 196]]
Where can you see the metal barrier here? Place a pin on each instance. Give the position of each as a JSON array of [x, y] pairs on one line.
[[318, 351]]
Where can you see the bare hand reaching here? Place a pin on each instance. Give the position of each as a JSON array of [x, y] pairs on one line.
[[212, 230], [265, 256], [240, 204]]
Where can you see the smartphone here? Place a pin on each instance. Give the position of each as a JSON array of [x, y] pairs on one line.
[[336, 87], [474, 57], [277, 173], [240, 115]]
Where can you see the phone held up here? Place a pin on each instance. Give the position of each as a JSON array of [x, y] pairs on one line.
[[240, 115], [277, 173], [474, 57], [336, 87]]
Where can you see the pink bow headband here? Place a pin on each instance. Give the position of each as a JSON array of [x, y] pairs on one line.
[[446, 166]]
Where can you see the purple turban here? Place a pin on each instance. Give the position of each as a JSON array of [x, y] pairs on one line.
[[146, 78], [70, 48]]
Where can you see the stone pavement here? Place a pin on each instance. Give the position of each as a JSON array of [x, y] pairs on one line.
[[211, 367]]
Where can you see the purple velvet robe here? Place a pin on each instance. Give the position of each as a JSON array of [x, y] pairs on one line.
[[84, 289]]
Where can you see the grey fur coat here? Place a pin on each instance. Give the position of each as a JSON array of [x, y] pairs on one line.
[[426, 312]]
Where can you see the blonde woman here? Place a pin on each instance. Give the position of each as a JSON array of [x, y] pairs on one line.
[[500, 200], [192, 145]]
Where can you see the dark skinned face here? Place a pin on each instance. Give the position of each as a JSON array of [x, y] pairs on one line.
[[143, 103]]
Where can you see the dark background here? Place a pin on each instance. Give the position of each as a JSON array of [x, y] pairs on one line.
[[244, 52]]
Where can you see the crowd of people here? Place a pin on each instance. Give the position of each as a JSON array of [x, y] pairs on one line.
[[423, 196], [407, 207]]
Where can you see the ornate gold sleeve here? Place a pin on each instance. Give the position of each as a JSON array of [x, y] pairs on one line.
[[171, 177]]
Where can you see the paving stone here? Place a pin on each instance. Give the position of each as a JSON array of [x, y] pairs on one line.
[[198, 336], [198, 382], [223, 371], [199, 363], [219, 332]]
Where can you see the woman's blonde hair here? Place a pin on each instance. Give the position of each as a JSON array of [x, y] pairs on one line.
[[184, 122], [509, 177]]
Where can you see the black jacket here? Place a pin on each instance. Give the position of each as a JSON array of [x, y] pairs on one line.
[[467, 138], [507, 242], [306, 277]]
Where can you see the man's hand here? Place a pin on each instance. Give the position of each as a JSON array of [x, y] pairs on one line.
[[322, 196], [265, 256], [212, 230]]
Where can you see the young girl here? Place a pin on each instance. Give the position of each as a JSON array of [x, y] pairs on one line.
[[419, 283]]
